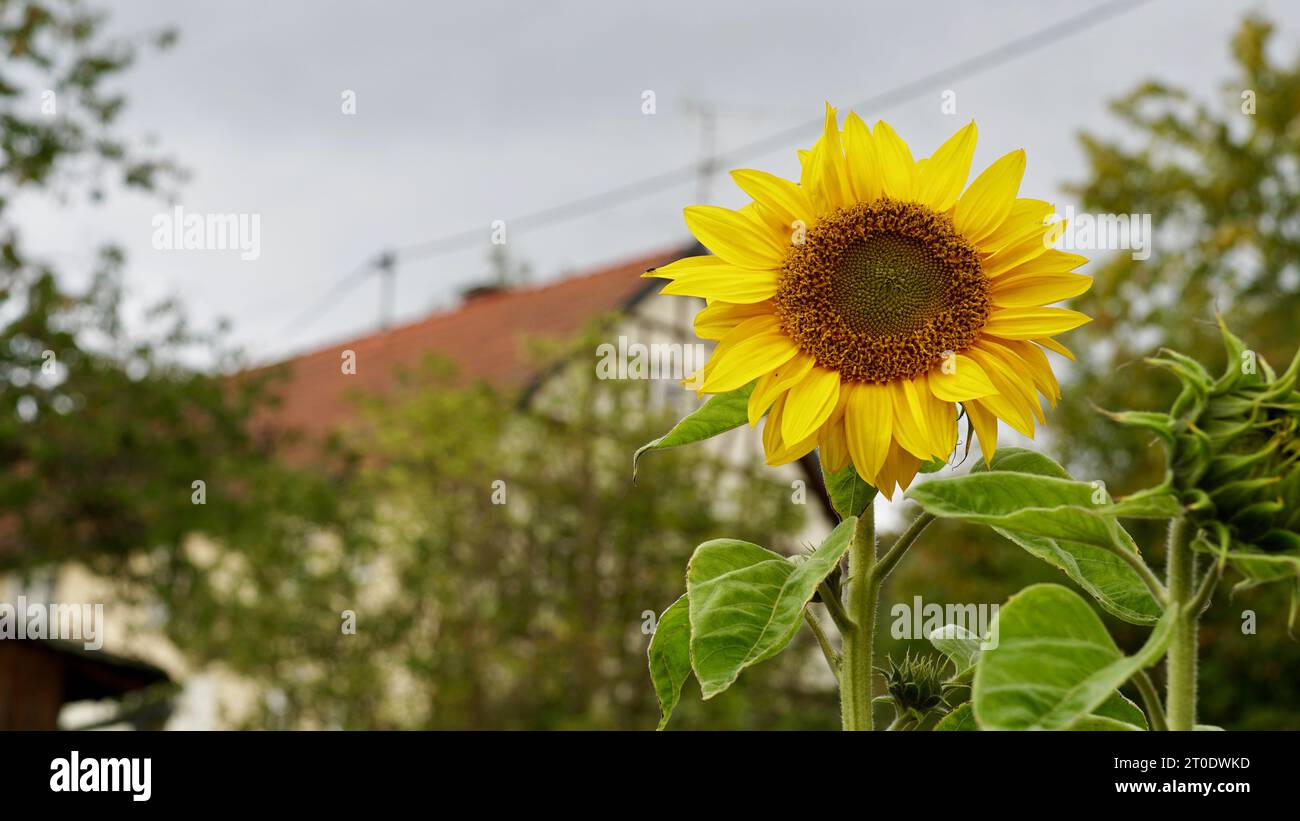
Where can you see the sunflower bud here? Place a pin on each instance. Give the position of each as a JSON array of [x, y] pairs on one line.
[[916, 683], [1234, 457]]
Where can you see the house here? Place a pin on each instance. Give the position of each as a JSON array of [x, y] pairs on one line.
[[487, 338]]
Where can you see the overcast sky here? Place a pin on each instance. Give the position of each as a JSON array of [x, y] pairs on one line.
[[468, 113]]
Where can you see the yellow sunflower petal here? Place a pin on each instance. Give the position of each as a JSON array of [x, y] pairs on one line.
[[1027, 218], [1040, 370], [985, 423], [833, 446], [689, 265], [1024, 290], [1019, 382], [832, 175], [989, 200], [717, 319], [782, 196], [755, 347], [897, 169], [906, 467], [860, 160], [964, 380], [776, 383], [868, 427], [940, 182], [1030, 323], [941, 418], [735, 237], [1014, 255], [1011, 402], [1052, 261], [729, 284], [809, 404], [1055, 347], [775, 450], [912, 418], [899, 470]]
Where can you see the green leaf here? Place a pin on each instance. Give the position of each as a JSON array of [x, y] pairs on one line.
[[1120, 708], [1026, 500], [1027, 503], [746, 603], [849, 494], [1116, 713], [670, 657], [960, 719], [1020, 460], [1054, 662], [958, 644], [719, 414], [1095, 723], [1106, 577]]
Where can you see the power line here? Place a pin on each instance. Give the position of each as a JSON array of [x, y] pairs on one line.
[[336, 291], [971, 66]]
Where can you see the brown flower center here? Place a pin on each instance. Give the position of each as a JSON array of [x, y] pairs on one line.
[[882, 291]]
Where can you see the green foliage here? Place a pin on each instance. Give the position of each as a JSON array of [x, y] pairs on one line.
[[719, 414], [849, 494], [1054, 663], [670, 657], [1219, 183], [746, 603], [535, 613], [1028, 499]]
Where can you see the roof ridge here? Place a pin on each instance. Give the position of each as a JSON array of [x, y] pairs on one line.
[[484, 300]]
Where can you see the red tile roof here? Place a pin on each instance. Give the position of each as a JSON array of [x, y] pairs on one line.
[[486, 338]]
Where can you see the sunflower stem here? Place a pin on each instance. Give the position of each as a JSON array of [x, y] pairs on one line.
[[1180, 697], [856, 668], [895, 552]]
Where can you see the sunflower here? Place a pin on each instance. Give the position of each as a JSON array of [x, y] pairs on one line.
[[871, 299]]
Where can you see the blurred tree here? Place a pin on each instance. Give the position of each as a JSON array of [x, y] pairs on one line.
[[509, 572], [102, 431], [114, 450]]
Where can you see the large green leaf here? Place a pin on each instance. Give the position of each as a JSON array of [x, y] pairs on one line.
[[1106, 577], [1096, 723], [670, 657], [1054, 663], [1116, 713], [849, 494], [1021, 460], [1031, 518], [746, 603], [719, 414], [1027, 503]]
